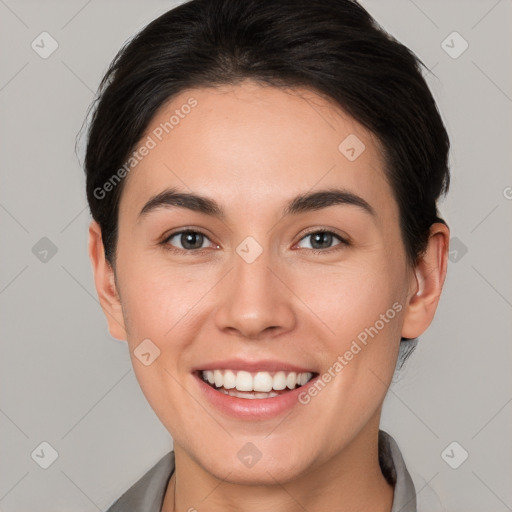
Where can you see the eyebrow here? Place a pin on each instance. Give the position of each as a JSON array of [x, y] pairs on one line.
[[302, 203]]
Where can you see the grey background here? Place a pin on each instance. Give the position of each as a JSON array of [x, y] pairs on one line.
[[64, 381]]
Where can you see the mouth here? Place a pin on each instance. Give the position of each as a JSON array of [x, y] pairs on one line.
[[255, 385]]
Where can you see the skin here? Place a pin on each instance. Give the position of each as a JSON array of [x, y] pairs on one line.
[[252, 148]]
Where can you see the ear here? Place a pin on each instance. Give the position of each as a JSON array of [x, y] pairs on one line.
[[427, 284], [105, 284]]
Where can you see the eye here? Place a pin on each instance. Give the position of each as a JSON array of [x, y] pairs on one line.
[[321, 240], [190, 240], [186, 240]]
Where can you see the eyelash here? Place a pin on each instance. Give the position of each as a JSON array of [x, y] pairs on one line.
[[343, 242]]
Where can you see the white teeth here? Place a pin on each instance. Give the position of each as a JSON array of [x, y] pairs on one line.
[[302, 379], [279, 381], [229, 379], [243, 381], [261, 382], [218, 378], [291, 380]]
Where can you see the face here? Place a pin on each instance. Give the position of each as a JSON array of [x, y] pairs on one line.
[[288, 272]]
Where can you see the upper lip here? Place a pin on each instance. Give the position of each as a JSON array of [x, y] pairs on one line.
[[262, 365]]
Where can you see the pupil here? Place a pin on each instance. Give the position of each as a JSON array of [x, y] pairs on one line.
[[194, 239], [326, 238]]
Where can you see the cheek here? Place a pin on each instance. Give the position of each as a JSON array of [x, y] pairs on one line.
[[349, 299], [156, 299], [361, 314], [158, 304]]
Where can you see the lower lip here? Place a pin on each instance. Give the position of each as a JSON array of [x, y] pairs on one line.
[[251, 409]]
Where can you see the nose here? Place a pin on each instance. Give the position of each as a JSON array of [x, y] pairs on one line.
[[255, 302]]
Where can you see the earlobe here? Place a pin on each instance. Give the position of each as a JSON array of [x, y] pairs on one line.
[[104, 281], [427, 283]]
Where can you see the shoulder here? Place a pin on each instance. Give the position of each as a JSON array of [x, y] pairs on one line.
[[147, 493], [394, 469]]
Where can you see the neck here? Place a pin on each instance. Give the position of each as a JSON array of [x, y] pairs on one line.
[[351, 480]]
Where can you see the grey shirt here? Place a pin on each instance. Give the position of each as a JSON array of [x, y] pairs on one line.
[[147, 494]]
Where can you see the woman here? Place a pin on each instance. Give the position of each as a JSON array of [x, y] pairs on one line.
[[263, 179]]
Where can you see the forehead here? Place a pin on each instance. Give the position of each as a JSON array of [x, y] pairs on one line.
[[252, 144]]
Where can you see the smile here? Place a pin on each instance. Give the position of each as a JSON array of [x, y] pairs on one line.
[[254, 385]]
